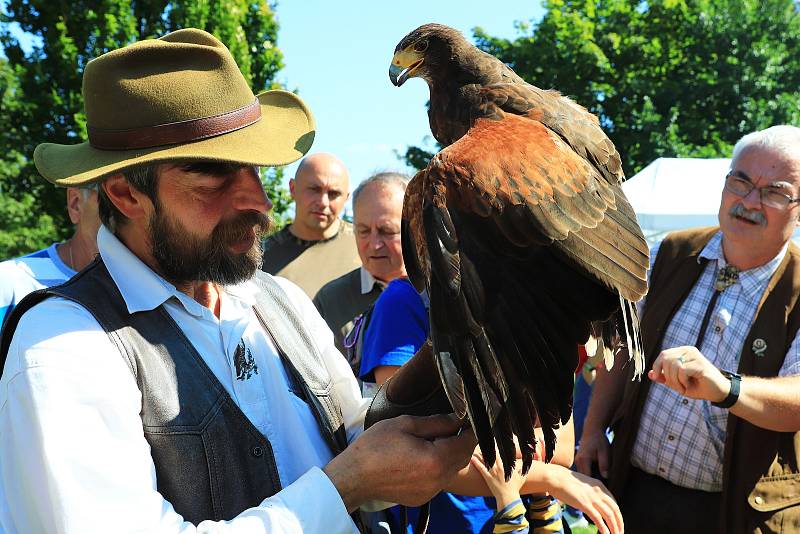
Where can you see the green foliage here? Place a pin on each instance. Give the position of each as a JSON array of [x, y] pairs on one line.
[[40, 89], [666, 77], [272, 178], [23, 229], [419, 157]]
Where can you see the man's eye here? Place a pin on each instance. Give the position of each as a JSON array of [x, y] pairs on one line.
[[775, 195], [740, 184], [211, 187]]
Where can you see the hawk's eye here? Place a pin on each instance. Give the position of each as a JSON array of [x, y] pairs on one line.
[[420, 46]]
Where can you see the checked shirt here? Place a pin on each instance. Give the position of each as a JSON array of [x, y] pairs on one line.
[[682, 440]]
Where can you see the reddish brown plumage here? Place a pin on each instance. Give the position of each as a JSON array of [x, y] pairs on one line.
[[521, 235]]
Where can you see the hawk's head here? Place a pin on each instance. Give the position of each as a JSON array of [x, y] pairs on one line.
[[426, 53]]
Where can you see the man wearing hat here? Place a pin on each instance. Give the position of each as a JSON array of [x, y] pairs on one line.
[[169, 386]]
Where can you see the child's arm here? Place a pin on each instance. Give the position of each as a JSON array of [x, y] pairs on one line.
[[510, 517], [578, 490]]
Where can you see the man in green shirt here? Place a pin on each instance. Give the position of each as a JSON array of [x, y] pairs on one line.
[[318, 245]]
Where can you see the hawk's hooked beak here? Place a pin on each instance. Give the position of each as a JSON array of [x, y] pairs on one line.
[[404, 64]]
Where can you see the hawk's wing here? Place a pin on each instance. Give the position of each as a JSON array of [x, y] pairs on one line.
[[523, 242]]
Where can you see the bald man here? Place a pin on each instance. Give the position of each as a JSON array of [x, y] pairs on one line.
[[318, 245]]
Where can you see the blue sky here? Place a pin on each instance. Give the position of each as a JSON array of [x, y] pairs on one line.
[[337, 57]]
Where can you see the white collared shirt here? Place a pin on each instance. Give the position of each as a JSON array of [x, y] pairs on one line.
[[73, 457], [367, 281]]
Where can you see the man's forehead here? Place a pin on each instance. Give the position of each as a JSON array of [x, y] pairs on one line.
[[323, 171], [767, 166], [385, 219], [370, 194], [328, 180]]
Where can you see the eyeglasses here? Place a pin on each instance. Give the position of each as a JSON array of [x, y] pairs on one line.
[[770, 196]]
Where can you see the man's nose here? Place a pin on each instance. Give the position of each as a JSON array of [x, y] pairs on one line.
[[248, 193], [752, 200], [376, 241]]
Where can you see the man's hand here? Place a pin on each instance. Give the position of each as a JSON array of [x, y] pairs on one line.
[[405, 460], [687, 371], [594, 449]]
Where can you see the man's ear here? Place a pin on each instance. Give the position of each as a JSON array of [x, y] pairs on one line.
[[291, 187], [74, 204], [129, 201]]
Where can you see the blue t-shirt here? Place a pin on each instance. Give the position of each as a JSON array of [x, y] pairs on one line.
[[397, 329], [37, 270]]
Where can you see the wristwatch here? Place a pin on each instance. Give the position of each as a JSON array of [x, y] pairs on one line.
[[733, 395]]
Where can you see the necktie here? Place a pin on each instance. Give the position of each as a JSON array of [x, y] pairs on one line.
[[726, 277]]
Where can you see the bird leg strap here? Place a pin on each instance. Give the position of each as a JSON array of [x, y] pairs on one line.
[[415, 389]]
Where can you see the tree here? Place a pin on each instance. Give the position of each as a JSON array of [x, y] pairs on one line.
[[666, 77], [40, 89]]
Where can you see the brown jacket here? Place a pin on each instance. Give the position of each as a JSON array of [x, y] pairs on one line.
[[761, 479]]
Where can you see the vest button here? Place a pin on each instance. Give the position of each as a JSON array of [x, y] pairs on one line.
[[257, 451]]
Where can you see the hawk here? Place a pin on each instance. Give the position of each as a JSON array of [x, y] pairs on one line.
[[523, 238]]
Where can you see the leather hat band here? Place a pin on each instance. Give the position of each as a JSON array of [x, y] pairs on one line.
[[175, 132]]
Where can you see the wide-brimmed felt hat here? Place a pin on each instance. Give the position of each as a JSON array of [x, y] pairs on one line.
[[180, 97]]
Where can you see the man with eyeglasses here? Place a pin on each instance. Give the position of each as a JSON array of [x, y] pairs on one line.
[[710, 443], [58, 262]]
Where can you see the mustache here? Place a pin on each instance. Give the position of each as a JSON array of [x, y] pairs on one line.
[[239, 228], [757, 217]]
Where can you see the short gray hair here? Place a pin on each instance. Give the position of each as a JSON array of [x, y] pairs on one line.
[[384, 178], [783, 138]]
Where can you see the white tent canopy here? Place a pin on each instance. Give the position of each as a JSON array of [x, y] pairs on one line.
[[676, 193]]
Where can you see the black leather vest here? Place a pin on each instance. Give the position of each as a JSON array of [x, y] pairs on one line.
[[211, 462]]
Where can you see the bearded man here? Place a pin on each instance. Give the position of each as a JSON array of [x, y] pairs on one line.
[[711, 442], [170, 386]]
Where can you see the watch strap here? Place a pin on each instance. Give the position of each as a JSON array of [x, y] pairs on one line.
[[733, 394]]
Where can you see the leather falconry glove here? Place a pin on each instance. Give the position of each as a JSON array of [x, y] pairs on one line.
[[415, 389]]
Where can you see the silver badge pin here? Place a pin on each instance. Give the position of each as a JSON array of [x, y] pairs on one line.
[[759, 347]]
